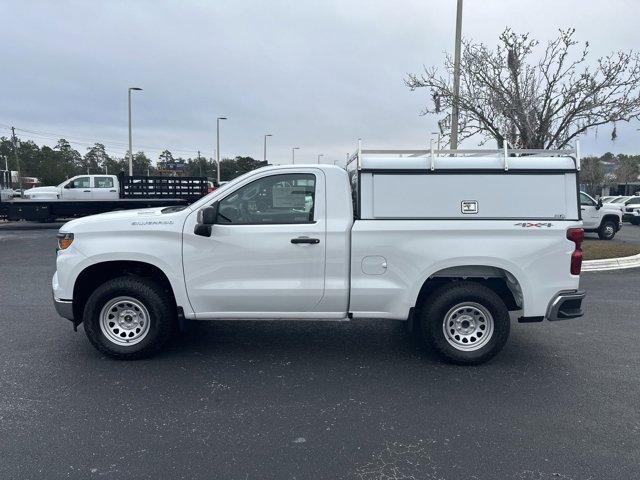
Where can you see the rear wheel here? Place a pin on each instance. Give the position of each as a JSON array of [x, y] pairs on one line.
[[607, 230], [465, 322], [129, 317]]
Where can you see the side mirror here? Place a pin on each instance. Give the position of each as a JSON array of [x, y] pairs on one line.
[[599, 205], [206, 218]]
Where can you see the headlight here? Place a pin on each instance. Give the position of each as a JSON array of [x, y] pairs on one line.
[[64, 240]]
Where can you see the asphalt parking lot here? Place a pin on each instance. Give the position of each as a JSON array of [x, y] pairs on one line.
[[628, 234], [315, 400]]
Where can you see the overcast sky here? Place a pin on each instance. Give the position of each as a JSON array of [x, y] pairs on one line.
[[315, 74]]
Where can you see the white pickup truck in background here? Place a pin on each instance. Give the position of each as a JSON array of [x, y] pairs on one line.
[[423, 237], [603, 219], [81, 187]]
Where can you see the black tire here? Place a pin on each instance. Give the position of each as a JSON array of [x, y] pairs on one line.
[[457, 294], [607, 230], [161, 312]]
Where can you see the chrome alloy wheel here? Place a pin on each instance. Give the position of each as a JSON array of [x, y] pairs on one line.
[[609, 232], [468, 326], [124, 321]]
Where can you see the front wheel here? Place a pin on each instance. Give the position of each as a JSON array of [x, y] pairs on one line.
[[465, 322], [129, 318], [607, 230]]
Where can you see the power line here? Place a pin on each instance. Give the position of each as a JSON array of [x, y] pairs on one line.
[[89, 142]]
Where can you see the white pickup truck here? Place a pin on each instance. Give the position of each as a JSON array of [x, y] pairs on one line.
[[81, 187], [603, 219], [453, 245]]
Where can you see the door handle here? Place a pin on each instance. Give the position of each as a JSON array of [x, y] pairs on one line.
[[305, 240], [87, 191], [112, 191]]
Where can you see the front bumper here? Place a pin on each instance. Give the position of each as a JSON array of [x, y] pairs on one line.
[[566, 305], [64, 308]]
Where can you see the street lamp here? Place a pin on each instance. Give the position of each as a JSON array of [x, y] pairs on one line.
[[265, 146], [320, 155], [218, 147], [293, 154], [130, 141]]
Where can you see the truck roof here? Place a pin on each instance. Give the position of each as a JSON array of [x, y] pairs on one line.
[[465, 159]]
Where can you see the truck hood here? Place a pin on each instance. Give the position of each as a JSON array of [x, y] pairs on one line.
[[128, 220], [614, 207], [53, 190]]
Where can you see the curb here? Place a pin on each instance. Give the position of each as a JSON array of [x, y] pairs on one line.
[[611, 264]]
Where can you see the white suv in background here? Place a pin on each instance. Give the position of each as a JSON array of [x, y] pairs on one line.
[[631, 210], [605, 220]]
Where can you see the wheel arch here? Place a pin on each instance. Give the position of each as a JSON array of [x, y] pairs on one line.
[[96, 274], [611, 216], [500, 280]]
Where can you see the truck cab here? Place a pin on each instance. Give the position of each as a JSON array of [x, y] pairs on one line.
[[413, 236], [80, 187], [604, 220]]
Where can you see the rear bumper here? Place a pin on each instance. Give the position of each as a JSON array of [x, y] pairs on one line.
[[566, 305]]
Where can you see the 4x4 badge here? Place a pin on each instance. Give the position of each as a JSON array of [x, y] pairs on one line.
[[469, 206]]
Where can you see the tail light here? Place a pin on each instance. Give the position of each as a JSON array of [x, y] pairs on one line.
[[576, 235]]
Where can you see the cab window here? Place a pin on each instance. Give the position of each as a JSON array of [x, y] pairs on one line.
[[277, 199], [586, 200], [103, 182], [81, 182]]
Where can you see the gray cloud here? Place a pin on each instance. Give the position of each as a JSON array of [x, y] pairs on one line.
[[317, 75]]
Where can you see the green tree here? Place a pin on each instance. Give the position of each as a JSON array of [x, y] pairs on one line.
[[95, 159], [141, 164], [628, 168], [232, 168], [69, 158], [592, 174]]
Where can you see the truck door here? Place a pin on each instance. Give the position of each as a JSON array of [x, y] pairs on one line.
[[266, 252], [590, 216], [104, 188], [78, 189]]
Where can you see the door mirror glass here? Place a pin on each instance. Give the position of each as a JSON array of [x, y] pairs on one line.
[[207, 215], [599, 205]]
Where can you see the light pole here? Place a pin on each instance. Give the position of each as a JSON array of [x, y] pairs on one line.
[[218, 147], [456, 79], [293, 154], [320, 155], [130, 141], [264, 157]]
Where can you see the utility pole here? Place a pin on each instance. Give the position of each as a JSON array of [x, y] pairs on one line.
[[137, 89], [456, 79], [320, 155], [199, 163], [15, 153], [218, 148], [264, 156], [293, 155]]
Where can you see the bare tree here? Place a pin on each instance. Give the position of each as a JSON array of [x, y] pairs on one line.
[[545, 103]]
